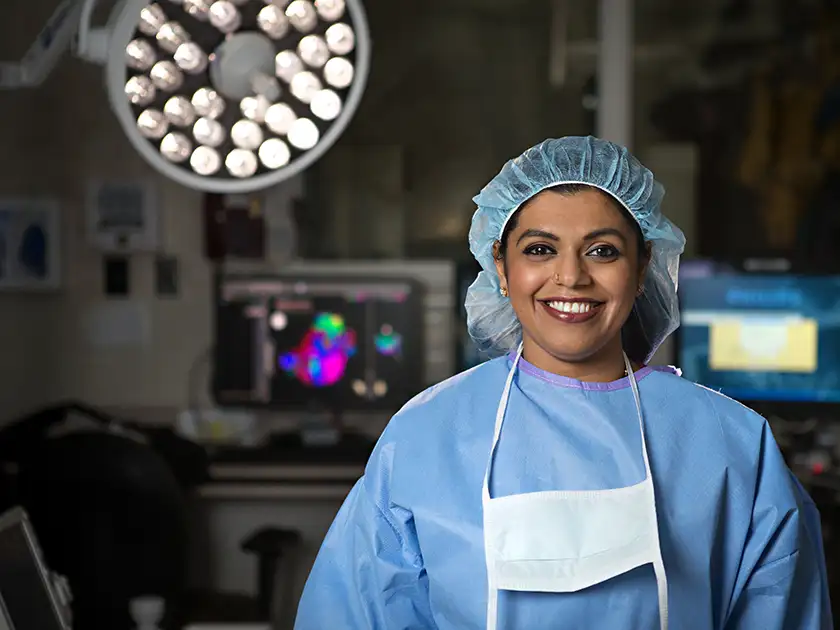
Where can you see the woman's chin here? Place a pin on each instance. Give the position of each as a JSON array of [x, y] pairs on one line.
[[565, 352]]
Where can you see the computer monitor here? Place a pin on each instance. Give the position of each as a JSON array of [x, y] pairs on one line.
[[761, 337], [467, 353], [318, 343]]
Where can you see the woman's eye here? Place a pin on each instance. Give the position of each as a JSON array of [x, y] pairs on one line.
[[603, 251], [538, 250]]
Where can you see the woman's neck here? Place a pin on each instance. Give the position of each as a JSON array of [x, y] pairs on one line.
[[605, 366]]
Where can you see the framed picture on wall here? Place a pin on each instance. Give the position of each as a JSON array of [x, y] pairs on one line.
[[122, 215], [30, 252]]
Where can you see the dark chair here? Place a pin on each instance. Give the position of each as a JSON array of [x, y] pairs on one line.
[[275, 550], [111, 517]]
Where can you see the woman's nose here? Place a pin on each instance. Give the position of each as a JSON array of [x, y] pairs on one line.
[[570, 272]]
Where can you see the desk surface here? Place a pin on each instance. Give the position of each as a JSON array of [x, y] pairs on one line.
[[274, 491], [266, 482], [285, 472]]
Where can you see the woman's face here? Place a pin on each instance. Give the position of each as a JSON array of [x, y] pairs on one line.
[[572, 271]]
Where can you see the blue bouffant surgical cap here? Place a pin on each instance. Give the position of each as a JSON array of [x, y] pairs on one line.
[[609, 167]]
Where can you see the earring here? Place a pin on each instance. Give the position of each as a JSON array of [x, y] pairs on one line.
[[640, 291], [503, 291]]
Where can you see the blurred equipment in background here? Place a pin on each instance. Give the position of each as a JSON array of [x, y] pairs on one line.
[[763, 111], [221, 96], [339, 347], [108, 506]]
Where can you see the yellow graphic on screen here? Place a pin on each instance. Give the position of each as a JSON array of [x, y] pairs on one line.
[[748, 345]]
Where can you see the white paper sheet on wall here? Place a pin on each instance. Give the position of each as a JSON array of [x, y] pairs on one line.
[[123, 324]]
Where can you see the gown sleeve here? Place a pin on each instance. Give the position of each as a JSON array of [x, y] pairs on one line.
[[369, 573], [782, 584]]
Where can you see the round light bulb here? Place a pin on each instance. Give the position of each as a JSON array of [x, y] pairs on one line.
[[152, 124], [340, 38], [140, 90], [166, 76], [246, 134], [304, 86], [199, 9], [273, 21], [190, 58], [241, 163], [274, 153], [287, 64], [175, 147], [302, 15], [208, 102], [279, 118], [225, 16], [171, 35], [303, 134], [330, 10], [209, 132], [179, 111], [338, 72], [313, 51], [140, 54], [205, 161], [326, 105], [152, 18]]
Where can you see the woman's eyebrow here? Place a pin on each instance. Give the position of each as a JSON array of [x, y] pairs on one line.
[[538, 234], [605, 232]]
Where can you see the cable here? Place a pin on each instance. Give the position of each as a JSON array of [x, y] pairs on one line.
[[194, 382]]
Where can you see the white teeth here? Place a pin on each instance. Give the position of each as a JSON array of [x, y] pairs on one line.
[[571, 307]]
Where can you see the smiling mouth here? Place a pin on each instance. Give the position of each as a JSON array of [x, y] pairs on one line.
[[571, 306], [572, 311]]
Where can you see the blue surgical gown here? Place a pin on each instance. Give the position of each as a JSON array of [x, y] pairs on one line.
[[740, 537]]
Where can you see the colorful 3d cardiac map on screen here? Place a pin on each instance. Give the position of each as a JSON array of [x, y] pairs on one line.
[[388, 342], [321, 357]]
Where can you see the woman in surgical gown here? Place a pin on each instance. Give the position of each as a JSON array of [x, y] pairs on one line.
[[565, 484]]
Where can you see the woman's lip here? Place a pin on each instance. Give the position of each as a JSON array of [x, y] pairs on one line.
[[573, 318], [570, 300]]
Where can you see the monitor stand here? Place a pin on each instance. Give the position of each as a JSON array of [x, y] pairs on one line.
[[329, 432], [317, 431], [317, 440]]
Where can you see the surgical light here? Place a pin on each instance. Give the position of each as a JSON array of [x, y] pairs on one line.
[[225, 96]]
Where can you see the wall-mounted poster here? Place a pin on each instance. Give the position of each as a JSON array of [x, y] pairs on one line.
[[30, 254]]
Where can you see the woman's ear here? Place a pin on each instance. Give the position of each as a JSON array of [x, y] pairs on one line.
[[499, 259]]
